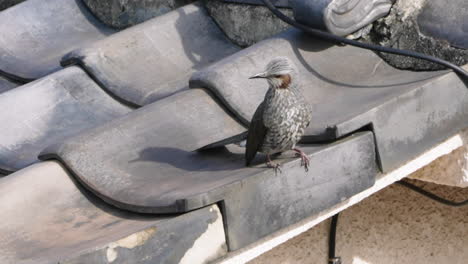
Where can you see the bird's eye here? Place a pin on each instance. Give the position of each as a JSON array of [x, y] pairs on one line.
[[277, 76]]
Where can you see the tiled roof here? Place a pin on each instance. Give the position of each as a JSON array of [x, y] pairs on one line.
[[154, 59], [6, 84], [48, 111], [43, 31], [118, 120], [49, 218]]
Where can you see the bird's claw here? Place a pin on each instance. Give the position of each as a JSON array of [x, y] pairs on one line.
[[275, 166], [305, 161]]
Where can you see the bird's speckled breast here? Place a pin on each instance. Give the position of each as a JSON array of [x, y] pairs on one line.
[[286, 116]]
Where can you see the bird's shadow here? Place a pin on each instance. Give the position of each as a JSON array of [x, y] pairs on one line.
[[213, 159]]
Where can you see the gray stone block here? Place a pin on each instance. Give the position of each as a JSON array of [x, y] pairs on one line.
[[123, 13], [49, 110], [245, 24], [155, 59]]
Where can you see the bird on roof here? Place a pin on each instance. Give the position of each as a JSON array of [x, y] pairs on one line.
[[281, 119]]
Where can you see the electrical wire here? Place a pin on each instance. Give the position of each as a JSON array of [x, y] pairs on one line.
[[337, 39], [332, 258], [431, 195]]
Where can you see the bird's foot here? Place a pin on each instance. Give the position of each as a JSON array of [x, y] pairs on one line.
[[305, 161], [275, 166]]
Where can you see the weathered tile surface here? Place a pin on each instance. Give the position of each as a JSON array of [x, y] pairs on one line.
[[264, 203], [154, 147], [153, 169], [50, 219], [155, 59], [6, 85], [37, 33], [49, 110], [445, 21]]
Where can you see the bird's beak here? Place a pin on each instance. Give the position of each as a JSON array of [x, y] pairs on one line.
[[259, 75]]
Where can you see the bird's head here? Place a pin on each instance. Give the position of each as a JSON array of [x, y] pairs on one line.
[[279, 73]]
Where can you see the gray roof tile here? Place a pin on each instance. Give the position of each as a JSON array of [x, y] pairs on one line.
[[49, 110], [152, 147], [445, 21], [50, 219], [37, 33], [6, 84], [155, 59]]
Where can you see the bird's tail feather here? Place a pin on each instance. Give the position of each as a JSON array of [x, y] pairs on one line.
[[237, 139]]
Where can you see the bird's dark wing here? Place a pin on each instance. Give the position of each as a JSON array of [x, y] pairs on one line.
[[256, 135]]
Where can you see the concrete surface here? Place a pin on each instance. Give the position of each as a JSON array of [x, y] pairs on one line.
[[451, 169], [395, 225]]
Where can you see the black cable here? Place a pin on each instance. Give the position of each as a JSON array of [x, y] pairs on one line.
[[431, 195], [332, 258], [337, 39]]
